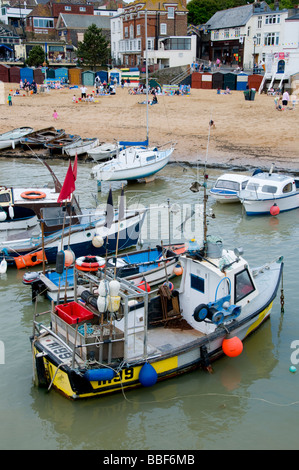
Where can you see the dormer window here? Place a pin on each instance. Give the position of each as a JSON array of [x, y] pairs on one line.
[[170, 13]]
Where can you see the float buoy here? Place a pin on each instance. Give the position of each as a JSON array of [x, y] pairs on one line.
[[144, 286], [232, 347], [69, 258], [274, 210], [147, 375], [178, 270], [97, 241]]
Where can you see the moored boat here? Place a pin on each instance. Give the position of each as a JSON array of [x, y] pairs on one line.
[[227, 186], [270, 193], [13, 138], [42, 136], [56, 145], [80, 147], [104, 151]]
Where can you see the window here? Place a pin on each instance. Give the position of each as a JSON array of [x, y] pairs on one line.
[[259, 21], [126, 32], [163, 28], [243, 285], [287, 188], [271, 39], [197, 283], [258, 39], [131, 31], [82, 9], [248, 31], [269, 189], [226, 33], [216, 34], [138, 30], [272, 19], [170, 13], [43, 23], [181, 44], [225, 184], [237, 32], [67, 8]]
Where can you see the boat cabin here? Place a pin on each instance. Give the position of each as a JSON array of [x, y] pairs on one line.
[[227, 187], [269, 185]]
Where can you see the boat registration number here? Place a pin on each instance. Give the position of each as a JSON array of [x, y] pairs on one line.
[[56, 348]]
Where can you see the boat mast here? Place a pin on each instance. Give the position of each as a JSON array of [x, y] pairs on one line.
[[146, 74]]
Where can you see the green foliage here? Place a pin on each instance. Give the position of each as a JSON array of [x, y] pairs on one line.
[[94, 50], [36, 57]]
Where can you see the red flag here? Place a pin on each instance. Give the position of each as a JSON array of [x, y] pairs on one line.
[[68, 186], [75, 167]]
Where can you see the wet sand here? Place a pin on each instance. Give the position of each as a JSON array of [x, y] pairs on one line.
[[246, 133]]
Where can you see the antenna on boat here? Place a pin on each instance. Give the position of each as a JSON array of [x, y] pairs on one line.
[[146, 76]]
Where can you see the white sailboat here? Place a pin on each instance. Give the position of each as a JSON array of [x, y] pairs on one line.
[[136, 161]]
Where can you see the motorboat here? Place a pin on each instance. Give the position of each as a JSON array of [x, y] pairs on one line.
[[227, 186], [141, 267], [270, 193], [80, 147], [57, 145], [13, 138]]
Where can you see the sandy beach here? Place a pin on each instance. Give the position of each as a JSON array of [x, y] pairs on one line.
[[246, 133]]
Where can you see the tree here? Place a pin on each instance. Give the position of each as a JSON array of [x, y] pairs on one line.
[[94, 50], [36, 56]]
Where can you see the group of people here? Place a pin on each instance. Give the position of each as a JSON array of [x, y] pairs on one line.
[[104, 88], [282, 101], [26, 86]]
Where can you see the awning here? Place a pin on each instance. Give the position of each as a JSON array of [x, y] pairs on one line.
[[4, 45]]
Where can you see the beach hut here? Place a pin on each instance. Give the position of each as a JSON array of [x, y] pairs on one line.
[[133, 75], [4, 73], [196, 79], [14, 74], [229, 80], [38, 76], [27, 74], [242, 81], [115, 74], [88, 78], [103, 75], [50, 74], [75, 76], [217, 80], [62, 74], [254, 81], [206, 81]]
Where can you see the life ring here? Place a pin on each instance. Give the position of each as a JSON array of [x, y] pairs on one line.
[[89, 263], [33, 195]]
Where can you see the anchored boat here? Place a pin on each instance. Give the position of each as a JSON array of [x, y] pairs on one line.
[[227, 187]]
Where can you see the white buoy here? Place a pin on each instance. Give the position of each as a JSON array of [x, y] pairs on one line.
[[3, 266]]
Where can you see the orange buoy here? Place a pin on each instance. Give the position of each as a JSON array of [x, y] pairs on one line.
[[178, 270], [144, 286], [232, 347], [274, 210]]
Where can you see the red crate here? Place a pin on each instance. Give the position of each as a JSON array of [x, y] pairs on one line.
[[73, 312]]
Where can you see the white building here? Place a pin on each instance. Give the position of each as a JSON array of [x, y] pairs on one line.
[[116, 38]]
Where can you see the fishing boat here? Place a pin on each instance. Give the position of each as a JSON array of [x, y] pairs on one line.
[[42, 136], [13, 138], [104, 151], [137, 161], [56, 145], [67, 225], [143, 268], [119, 338], [270, 193], [227, 186], [80, 147]]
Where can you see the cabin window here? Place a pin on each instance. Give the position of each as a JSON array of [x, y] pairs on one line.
[[243, 185], [5, 197], [224, 184], [243, 285], [269, 189], [287, 188], [197, 283]]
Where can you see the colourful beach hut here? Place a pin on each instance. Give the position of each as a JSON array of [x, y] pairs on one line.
[[27, 74], [196, 80], [242, 81], [4, 73], [62, 74], [88, 78], [115, 74], [14, 74], [206, 81], [50, 74], [38, 76], [103, 75], [254, 81], [217, 80], [75, 76], [229, 80]]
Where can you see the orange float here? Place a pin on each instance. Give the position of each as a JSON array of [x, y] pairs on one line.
[[232, 347]]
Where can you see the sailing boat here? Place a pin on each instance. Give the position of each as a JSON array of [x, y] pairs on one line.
[[137, 160]]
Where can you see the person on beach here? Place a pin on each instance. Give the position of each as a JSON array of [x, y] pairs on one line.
[[9, 100], [212, 124], [83, 92], [285, 99], [55, 115]]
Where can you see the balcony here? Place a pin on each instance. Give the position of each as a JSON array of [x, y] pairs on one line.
[[132, 46]]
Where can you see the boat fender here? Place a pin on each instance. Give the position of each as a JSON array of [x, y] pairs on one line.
[[60, 262], [11, 212], [147, 375], [99, 374], [3, 215], [200, 312]]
